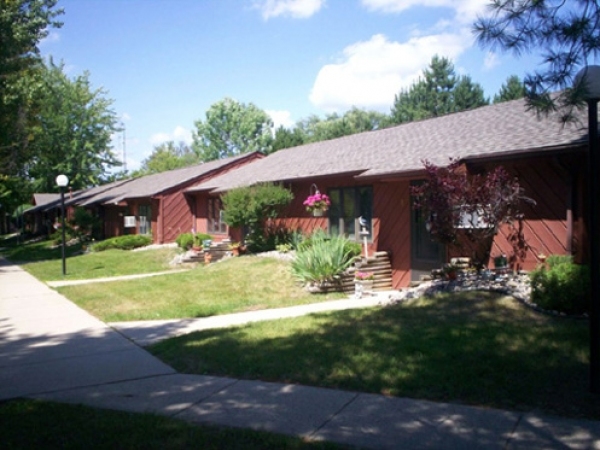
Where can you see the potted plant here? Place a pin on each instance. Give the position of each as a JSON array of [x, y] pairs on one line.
[[235, 248], [196, 243], [363, 283], [317, 203]]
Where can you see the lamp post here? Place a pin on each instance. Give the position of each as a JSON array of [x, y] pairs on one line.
[[62, 181], [589, 78]]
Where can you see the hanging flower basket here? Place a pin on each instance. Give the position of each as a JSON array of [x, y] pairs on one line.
[[317, 203]]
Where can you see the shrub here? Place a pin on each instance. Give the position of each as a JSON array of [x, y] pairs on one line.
[[561, 285], [249, 208], [201, 238], [324, 260], [185, 241], [86, 224], [122, 243]]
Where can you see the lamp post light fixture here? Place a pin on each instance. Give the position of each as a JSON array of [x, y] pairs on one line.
[[589, 79], [62, 181]]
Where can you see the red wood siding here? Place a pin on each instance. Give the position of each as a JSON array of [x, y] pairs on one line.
[[546, 226], [113, 221], [176, 216], [392, 213]]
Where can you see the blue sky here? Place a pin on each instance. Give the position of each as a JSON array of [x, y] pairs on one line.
[[164, 62]]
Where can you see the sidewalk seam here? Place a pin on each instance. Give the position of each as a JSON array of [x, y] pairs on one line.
[[512, 432], [206, 397], [333, 416]]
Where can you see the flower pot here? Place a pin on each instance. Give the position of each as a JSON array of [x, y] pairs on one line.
[[207, 257], [362, 287], [318, 213]]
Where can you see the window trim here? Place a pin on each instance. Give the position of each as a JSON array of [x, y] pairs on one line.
[[215, 224], [341, 220]]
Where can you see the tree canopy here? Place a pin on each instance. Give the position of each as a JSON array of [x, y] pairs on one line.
[[512, 89], [168, 156], [73, 130], [567, 34], [440, 91], [23, 24], [232, 128]]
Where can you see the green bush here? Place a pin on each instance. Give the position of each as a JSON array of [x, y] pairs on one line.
[[70, 233], [85, 224], [324, 260], [122, 243], [561, 285], [185, 241], [249, 208]]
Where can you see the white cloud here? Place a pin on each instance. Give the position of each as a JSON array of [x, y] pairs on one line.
[[491, 60], [296, 9], [281, 118], [53, 36], [179, 134], [372, 72], [466, 10]]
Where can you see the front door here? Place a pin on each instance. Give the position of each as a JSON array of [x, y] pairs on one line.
[[426, 254]]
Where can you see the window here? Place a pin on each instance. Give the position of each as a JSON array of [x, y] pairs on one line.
[[215, 216], [472, 219], [145, 212], [347, 205]]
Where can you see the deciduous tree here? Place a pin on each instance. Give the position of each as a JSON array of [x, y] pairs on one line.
[[23, 24], [74, 127], [232, 128], [458, 205], [168, 156]]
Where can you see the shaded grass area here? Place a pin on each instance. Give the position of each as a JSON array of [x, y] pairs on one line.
[[44, 261], [235, 285], [473, 348], [17, 251], [29, 424]]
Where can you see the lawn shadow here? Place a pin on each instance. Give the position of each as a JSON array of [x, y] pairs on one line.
[[476, 348]]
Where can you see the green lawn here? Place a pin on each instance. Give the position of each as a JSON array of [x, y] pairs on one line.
[[235, 285], [473, 348], [29, 424], [45, 262]]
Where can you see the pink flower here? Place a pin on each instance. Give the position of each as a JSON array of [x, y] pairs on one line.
[[361, 276], [317, 201]]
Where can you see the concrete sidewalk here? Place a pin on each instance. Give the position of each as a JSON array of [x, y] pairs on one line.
[[53, 350], [146, 332]]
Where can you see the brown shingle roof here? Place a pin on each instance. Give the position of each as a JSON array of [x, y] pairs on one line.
[[499, 129], [151, 185]]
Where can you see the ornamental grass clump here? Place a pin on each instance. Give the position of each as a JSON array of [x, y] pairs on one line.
[[324, 260]]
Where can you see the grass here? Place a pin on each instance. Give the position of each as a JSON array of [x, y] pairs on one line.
[[45, 262], [472, 348], [29, 424], [236, 285]]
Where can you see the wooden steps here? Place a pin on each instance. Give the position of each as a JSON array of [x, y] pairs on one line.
[[379, 264], [217, 250]]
